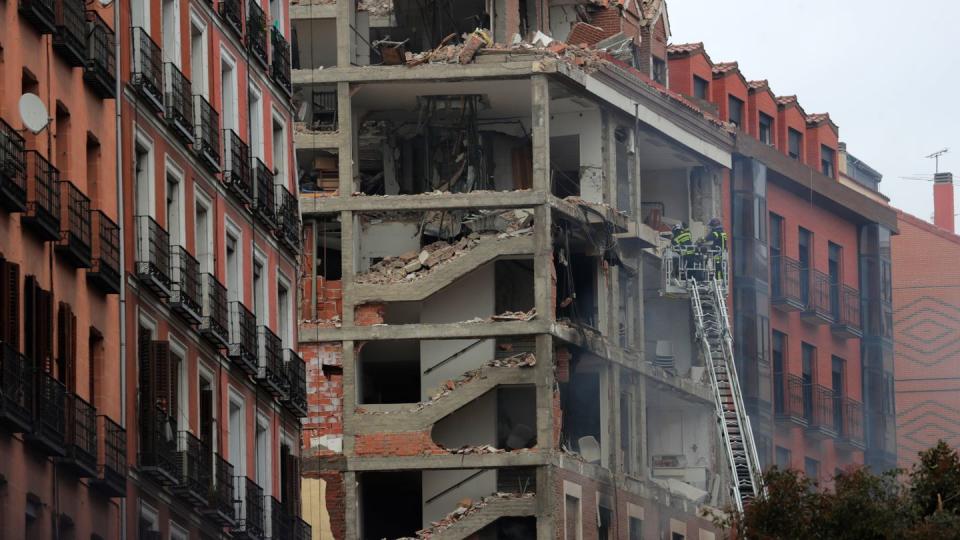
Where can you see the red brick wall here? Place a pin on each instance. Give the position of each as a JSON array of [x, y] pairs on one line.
[[926, 322], [404, 444], [324, 393], [761, 102], [821, 135], [722, 87], [791, 117], [683, 68]]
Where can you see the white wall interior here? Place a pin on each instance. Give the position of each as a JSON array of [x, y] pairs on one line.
[[669, 319], [678, 427], [586, 124], [317, 42], [670, 187], [386, 239]]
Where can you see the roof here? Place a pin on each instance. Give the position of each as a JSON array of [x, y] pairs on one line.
[[817, 119], [927, 226], [758, 85], [786, 100], [723, 68], [685, 48]]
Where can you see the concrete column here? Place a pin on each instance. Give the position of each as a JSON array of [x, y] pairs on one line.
[[346, 21], [351, 504], [345, 149], [349, 395], [549, 509], [540, 96], [348, 264]]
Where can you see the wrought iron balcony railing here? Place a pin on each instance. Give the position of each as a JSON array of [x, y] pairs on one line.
[[70, 37], [785, 289], [193, 479], [49, 427], [178, 103], [819, 402], [75, 224], [236, 170], [296, 400], [280, 60], [147, 74], [300, 529], [185, 290], [153, 255], [257, 32], [158, 446], [221, 500], [288, 210], [845, 304], [818, 309], [105, 261], [265, 197], [278, 519], [215, 323], [249, 509], [43, 197], [81, 437], [41, 14], [16, 390], [243, 338], [231, 11], [111, 458], [848, 421], [13, 169], [100, 64], [206, 133], [271, 372], [789, 398]]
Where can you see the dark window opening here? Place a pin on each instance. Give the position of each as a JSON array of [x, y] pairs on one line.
[[701, 88], [577, 289], [795, 143], [389, 371], [604, 517], [391, 504], [565, 169], [93, 170], [516, 417], [571, 516], [783, 458], [95, 351], [766, 129], [735, 110], [580, 403], [808, 374], [811, 468], [659, 70], [779, 350], [513, 285], [828, 157], [835, 268], [805, 258], [62, 137], [776, 255]]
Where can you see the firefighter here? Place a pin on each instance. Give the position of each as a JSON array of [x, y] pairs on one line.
[[717, 240], [682, 244]]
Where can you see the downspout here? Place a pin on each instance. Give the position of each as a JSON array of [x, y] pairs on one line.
[[121, 222]]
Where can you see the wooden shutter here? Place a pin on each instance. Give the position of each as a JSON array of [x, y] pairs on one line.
[[30, 315], [10, 303], [67, 346], [44, 323], [161, 380], [147, 396]]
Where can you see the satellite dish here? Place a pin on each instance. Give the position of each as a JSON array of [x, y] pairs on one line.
[[33, 113]]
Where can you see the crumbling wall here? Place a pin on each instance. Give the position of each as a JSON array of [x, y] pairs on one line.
[[585, 125], [323, 427]]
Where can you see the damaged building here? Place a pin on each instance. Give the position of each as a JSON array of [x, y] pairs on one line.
[[489, 354]]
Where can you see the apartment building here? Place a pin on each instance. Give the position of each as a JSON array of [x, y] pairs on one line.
[[488, 350], [811, 275], [61, 439], [214, 387]]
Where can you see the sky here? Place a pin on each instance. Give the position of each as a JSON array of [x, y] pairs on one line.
[[888, 72]]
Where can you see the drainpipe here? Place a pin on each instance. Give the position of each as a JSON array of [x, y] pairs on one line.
[[118, 90]]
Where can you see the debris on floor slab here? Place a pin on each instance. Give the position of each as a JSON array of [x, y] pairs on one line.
[[517, 360], [515, 315]]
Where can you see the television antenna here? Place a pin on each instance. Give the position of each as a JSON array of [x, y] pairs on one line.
[[33, 113], [936, 158]]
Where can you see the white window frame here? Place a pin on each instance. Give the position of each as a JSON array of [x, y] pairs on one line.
[[263, 420], [204, 254], [259, 258], [143, 14], [150, 514], [178, 349], [177, 532], [283, 168], [144, 140], [255, 111], [174, 56], [237, 234], [171, 168], [286, 315], [203, 372], [227, 58], [239, 461], [200, 84]]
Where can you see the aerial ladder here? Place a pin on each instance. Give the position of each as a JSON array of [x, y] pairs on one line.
[[702, 277]]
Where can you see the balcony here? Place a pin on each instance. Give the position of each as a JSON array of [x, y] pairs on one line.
[[296, 400], [185, 291], [231, 11], [819, 411], [13, 170], [249, 522], [43, 199], [788, 399], [49, 426], [845, 304], [70, 38], [265, 199], [193, 479], [785, 290], [236, 170], [278, 520], [16, 390], [41, 14], [158, 447], [289, 215], [147, 74], [300, 529], [206, 122], [214, 325], [81, 438], [271, 372], [105, 262], [848, 418], [220, 503], [153, 256], [257, 32], [178, 103], [280, 60], [243, 338], [818, 309], [75, 224], [100, 65], [111, 477]]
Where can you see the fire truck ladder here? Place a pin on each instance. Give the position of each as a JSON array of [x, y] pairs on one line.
[[713, 333]]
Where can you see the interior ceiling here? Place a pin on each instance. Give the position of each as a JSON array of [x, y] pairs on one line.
[[659, 153], [508, 98]]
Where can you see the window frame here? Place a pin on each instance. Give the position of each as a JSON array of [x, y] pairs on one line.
[[732, 101], [769, 124], [794, 135], [699, 83]]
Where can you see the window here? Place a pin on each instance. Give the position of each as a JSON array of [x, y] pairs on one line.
[[149, 522], [174, 205], [61, 158], [776, 255], [199, 57], [783, 457], [170, 31], [735, 110], [571, 518], [260, 307], [835, 269], [795, 140], [234, 292], [279, 143], [140, 14], [827, 159], [766, 129], [811, 468], [778, 348], [837, 376], [228, 98], [207, 409], [636, 528], [677, 536], [701, 88], [237, 436], [284, 314], [805, 259], [181, 386], [264, 477], [255, 110], [603, 523], [93, 170], [276, 14], [95, 351], [659, 70], [808, 374], [203, 233], [143, 181], [626, 432], [178, 533]]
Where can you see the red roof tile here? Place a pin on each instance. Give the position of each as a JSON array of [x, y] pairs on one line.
[[816, 118], [725, 67], [758, 85], [786, 100], [684, 48]]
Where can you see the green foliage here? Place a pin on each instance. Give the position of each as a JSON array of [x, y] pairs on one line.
[[859, 505]]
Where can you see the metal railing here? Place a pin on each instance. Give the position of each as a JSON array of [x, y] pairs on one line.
[[243, 338], [16, 389], [296, 399], [153, 255], [249, 508], [112, 457], [81, 436], [178, 102], [215, 321], [288, 213], [51, 410], [206, 123], [818, 400], [236, 169], [280, 60], [221, 499], [231, 11], [100, 64], [193, 478], [147, 74], [13, 169], [848, 419], [271, 370], [75, 225], [278, 519], [845, 304], [185, 292], [43, 197], [300, 529], [158, 446], [818, 297], [785, 282], [257, 32], [70, 38], [265, 202], [105, 252], [40, 13], [792, 404]]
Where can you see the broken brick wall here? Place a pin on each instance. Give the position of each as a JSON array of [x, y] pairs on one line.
[[323, 427]]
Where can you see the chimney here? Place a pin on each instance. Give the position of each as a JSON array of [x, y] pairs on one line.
[[943, 201]]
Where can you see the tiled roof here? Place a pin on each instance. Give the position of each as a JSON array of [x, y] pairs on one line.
[[725, 67], [758, 85], [786, 100], [816, 118], [683, 48]]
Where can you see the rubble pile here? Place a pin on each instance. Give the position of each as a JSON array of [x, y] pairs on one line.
[[515, 316], [376, 7], [518, 360], [464, 508]]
